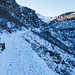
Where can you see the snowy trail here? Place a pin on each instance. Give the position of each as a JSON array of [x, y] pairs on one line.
[[19, 59]]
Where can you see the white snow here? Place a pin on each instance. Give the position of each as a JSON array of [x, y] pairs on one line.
[[10, 24], [44, 18], [19, 59]]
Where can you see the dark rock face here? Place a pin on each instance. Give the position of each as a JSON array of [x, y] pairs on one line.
[[2, 46], [58, 38], [7, 2], [25, 15]]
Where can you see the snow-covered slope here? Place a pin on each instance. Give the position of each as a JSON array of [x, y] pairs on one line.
[[22, 32], [44, 19], [65, 32], [18, 58]]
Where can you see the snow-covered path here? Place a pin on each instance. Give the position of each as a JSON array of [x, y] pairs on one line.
[[19, 59]]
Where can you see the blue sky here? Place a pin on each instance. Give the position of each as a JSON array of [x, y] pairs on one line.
[[49, 7]]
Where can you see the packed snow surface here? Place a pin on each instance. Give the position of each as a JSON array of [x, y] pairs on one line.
[[19, 59]]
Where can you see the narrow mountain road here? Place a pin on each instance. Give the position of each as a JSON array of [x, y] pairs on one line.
[[19, 59]]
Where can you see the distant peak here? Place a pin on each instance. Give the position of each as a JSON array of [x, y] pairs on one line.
[[64, 16]]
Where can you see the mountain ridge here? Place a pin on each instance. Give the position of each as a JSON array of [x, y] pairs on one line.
[[64, 16]]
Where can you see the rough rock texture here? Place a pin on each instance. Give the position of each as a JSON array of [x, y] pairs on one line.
[[65, 31], [25, 15]]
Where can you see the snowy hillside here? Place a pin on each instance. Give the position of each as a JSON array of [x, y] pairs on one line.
[[30, 45], [19, 59], [45, 19]]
